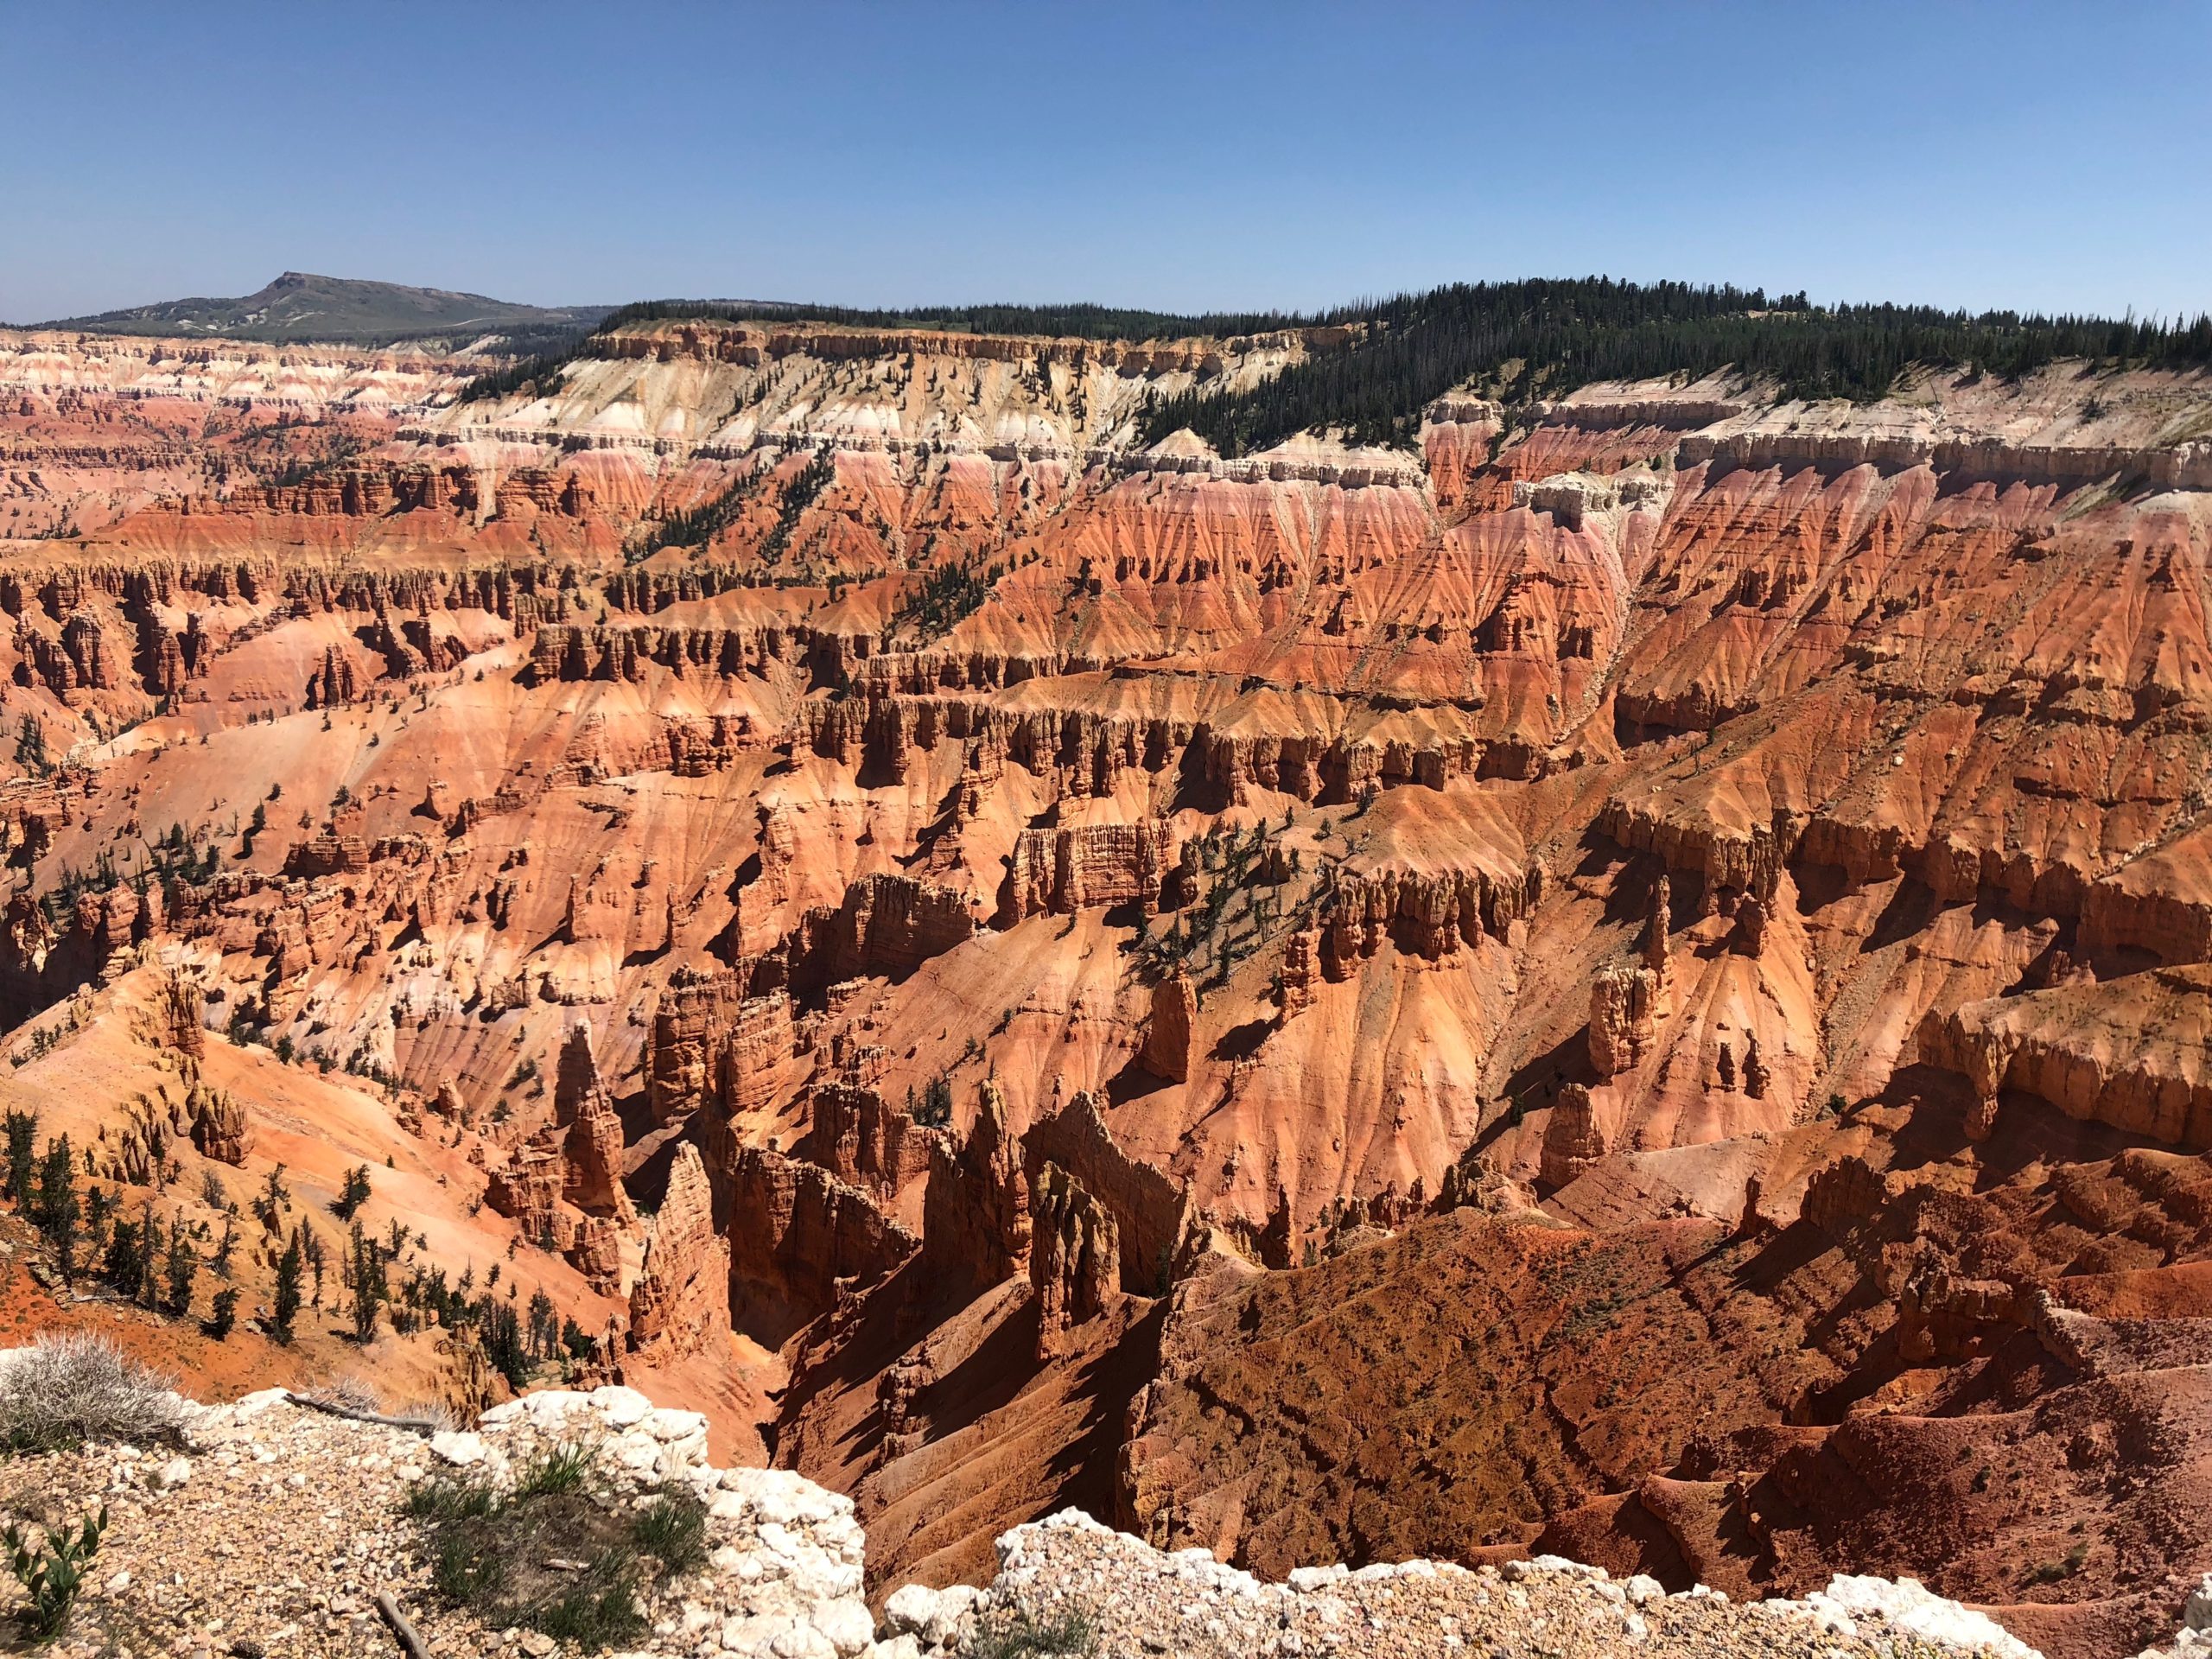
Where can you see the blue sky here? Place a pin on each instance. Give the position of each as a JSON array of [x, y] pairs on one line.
[[1182, 157]]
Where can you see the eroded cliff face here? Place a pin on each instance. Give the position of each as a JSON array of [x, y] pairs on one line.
[[860, 861]]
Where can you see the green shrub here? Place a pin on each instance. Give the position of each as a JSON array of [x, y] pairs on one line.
[[51, 1571], [443, 1499], [601, 1609], [550, 1552], [672, 1529], [567, 1467]]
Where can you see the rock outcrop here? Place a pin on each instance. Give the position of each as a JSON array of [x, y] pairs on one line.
[[785, 1562], [1574, 1143], [796, 1235], [1075, 1256], [221, 1127], [680, 1304], [2135, 1052], [1624, 1010], [976, 1220], [1167, 1037], [592, 1149], [1057, 872], [1137, 1599]]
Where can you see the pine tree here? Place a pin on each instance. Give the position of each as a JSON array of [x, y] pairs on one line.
[[22, 1130], [149, 1260], [353, 1194], [286, 1308], [501, 1332], [545, 1324], [223, 1315], [55, 1208], [182, 1268], [124, 1264], [370, 1289]]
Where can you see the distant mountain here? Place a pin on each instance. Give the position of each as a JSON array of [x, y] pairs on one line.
[[342, 310]]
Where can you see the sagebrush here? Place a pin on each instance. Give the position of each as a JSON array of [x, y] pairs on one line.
[[65, 1390]]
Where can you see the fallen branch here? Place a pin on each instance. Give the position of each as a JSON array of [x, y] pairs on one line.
[[420, 1425], [410, 1638]]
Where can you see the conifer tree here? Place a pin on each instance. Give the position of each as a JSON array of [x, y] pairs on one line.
[[286, 1307], [370, 1289], [55, 1208], [181, 1269], [22, 1130]]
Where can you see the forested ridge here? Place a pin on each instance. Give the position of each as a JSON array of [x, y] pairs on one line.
[[1531, 338], [1517, 340]]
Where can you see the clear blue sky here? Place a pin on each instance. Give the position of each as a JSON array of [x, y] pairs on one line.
[[1181, 156]]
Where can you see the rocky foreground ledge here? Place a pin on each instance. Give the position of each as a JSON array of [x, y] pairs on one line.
[[273, 1528]]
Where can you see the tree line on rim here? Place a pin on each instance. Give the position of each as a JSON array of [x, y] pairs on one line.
[[1517, 341]]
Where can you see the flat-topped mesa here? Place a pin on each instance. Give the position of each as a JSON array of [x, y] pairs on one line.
[[751, 344], [1059, 872], [1074, 1257]]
